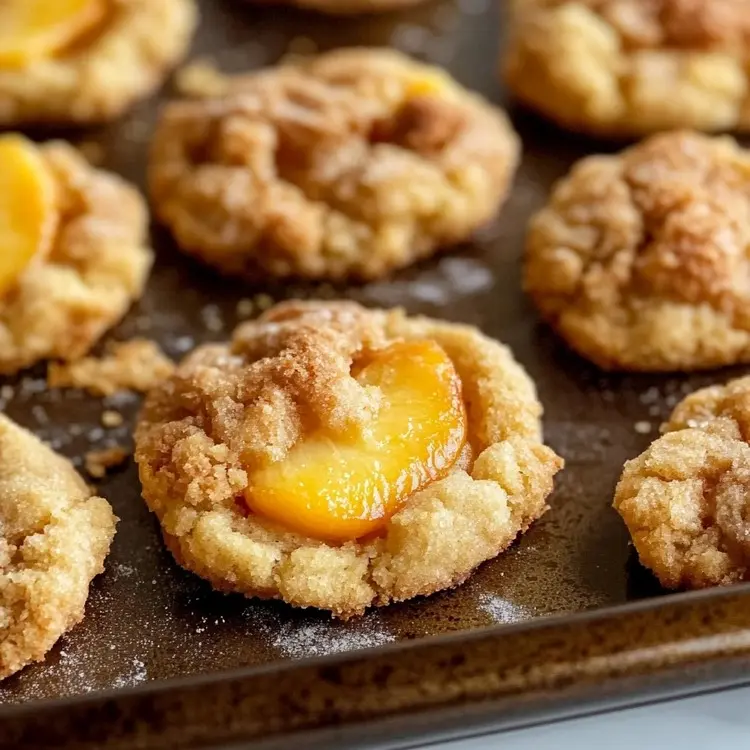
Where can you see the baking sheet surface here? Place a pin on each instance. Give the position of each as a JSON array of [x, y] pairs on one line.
[[146, 618]]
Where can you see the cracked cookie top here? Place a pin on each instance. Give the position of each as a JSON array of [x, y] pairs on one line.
[[54, 536], [640, 259], [121, 56], [685, 499], [633, 66], [94, 265], [233, 412], [349, 164]]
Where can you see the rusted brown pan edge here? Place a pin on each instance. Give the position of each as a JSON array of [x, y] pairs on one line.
[[498, 677]]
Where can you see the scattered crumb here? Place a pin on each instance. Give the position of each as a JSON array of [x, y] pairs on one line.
[[98, 463], [93, 152], [111, 418], [136, 365], [212, 318], [200, 78], [642, 428], [263, 301], [6, 392], [245, 308], [248, 306], [301, 46]]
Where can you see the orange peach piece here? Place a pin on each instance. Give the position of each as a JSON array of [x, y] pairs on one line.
[[34, 29], [28, 213], [345, 487]]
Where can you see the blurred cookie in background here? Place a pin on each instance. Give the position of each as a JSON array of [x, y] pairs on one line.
[[350, 164], [85, 61], [628, 67]]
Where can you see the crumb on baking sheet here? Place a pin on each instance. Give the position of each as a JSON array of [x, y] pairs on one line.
[[247, 307], [136, 365], [92, 151], [98, 463], [200, 78], [112, 418], [642, 428]]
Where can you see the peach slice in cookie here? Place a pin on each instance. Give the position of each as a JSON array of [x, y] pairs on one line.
[[34, 29], [344, 488], [28, 212], [73, 253], [340, 458]]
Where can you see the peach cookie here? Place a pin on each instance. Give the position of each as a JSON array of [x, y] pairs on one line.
[[74, 252], [350, 164], [639, 259], [54, 536], [686, 500], [338, 457], [83, 61], [633, 66]]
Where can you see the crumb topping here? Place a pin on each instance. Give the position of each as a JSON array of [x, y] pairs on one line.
[[329, 167], [685, 500], [249, 402], [633, 249], [136, 365]]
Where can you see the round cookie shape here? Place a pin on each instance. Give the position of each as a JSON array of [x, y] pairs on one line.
[[232, 406], [686, 499], [54, 537], [121, 60], [96, 265], [628, 67], [639, 259], [350, 164]]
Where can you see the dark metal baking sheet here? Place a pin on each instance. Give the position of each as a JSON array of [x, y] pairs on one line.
[[147, 620]]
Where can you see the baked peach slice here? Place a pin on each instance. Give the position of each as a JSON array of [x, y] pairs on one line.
[[33, 29], [28, 211], [343, 487]]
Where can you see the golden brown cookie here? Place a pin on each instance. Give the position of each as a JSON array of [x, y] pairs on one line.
[[617, 67], [75, 252], [686, 500], [639, 259], [350, 164], [54, 536], [339, 458], [84, 61]]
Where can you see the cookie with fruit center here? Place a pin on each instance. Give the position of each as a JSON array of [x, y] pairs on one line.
[[340, 458], [84, 61], [54, 536], [351, 164], [75, 252], [625, 67]]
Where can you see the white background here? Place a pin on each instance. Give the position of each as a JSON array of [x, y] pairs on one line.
[[709, 722]]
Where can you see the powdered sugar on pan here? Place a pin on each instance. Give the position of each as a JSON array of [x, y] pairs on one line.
[[320, 637], [135, 675], [503, 610], [452, 279]]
